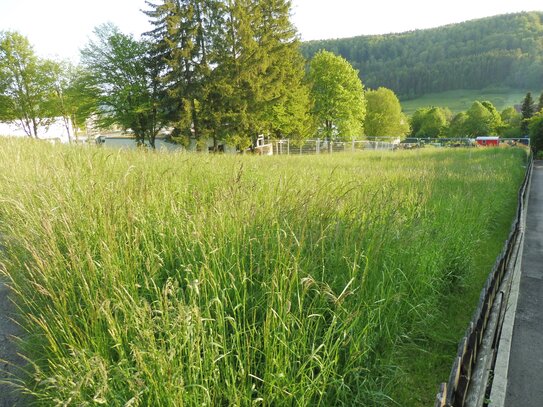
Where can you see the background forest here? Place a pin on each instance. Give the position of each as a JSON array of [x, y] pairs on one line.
[[504, 50]]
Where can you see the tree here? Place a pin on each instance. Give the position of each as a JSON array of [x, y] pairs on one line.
[[180, 43], [540, 103], [457, 126], [339, 105], [25, 83], [384, 115], [434, 123], [429, 122], [483, 120], [74, 99], [417, 119], [535, 128], [527, 110], [284, 96], [511, 123], [234, 69], [126, 80]]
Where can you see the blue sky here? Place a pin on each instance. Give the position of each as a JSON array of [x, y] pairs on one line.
[[59, 28]]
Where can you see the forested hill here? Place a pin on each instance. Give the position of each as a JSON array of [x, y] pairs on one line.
[[505, 50]]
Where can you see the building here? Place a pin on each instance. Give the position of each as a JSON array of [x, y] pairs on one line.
[[488, 141]]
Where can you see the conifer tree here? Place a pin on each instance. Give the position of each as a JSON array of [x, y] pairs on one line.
[[284, 98], [179, 37], [257, 85], [527, 110], [234, 70]]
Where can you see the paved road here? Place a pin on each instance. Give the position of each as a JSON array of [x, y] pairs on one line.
[[8, 351], [525, 375], [9, 360]]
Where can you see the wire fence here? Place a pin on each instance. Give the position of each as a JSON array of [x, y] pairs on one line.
[[323, 146]]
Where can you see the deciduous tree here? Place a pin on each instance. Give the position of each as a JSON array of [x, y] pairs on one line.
[[384, 116], [339, 105], [511, 123], [457, 126], [129, 91], [74, 99], [25, 83], [535, 128], [482, 120]]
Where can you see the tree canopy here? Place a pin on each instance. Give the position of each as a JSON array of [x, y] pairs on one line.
[[536, 132], [429, 122], [384, 116], [26, 84], [483, 120], [233, 69], [127, 84], [339, 105]]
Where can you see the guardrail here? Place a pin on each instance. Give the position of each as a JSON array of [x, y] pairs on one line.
[[455, 391]]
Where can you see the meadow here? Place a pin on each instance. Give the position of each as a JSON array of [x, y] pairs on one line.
[[150, 279], [461, 100]]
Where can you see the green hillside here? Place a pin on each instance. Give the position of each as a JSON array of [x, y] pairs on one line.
[[503, 51], [461, 99]]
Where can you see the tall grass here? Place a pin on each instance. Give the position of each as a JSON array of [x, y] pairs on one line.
[[181, 280]]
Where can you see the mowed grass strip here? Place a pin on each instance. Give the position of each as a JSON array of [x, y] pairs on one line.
[[149, 279]]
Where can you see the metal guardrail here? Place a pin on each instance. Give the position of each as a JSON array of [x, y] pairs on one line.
[[454, 392]]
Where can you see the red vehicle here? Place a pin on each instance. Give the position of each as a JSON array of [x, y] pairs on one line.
[[488, 141]]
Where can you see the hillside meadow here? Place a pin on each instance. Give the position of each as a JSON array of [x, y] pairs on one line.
[[461, 100], [149, 279]]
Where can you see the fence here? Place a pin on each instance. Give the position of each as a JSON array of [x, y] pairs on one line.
[[323, 146], [485, 326]]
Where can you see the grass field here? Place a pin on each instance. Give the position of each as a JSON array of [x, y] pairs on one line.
[[461, 100], [150, 279]]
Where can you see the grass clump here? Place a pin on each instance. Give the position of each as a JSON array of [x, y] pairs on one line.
[[171, 280]]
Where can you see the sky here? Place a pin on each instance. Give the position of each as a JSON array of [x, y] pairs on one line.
[[60, 28]]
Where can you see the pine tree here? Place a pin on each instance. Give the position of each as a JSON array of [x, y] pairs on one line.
[[233, 69], [527, 110], [257, 84], [285, 101], [179, 37], [540, 104]]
